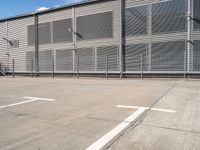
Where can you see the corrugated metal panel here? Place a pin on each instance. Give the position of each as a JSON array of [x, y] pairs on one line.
[[44, 34], [196, 14], [86, 59], [45, 60], [112, 52], [95, 26], [169, 16], [64, 60], [3, 44], [168, 56], [132, 57], [61, 30], [196, 55], [136, 20], [17, 30], [30, 56]]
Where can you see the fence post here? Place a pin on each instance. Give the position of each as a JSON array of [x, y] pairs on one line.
[[13, 73], [141, 66], [77, 66], [53, 67], [185, 59], [107, 67], [32, 68]]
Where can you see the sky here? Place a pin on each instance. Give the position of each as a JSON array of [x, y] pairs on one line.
[[10, 8]]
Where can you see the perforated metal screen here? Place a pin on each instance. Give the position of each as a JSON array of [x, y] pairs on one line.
[[86, 59], [136, 20], [196, 14], [61, 30], [45, 60], [112, 52], [168, 56], [44, 35], [196, 55], [29, 57], [95, 26], [64, 60], [169, 16], [132, 57]]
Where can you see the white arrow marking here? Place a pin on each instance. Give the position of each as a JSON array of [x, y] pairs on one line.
[[32, 99]]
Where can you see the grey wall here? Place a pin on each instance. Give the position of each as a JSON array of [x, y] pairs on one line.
[[96, 44]]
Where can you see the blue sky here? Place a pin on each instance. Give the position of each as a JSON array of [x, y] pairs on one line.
[[15, 7]]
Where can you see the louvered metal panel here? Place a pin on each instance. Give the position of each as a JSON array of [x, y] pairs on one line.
[[168, 56], [196, 55], [44, 34], [110, 52], [169, 16], [132, 57], [45, 60], [86, 59], [61, 31], [30, 56], [136, 20], [64, 60], [196, 15], [95, 26]]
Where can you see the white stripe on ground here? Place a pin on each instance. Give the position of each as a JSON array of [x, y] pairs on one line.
[[155, 109], [32, 99], [117, 130], [37, 98]]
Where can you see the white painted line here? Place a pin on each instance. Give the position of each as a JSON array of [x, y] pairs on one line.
[[37, 98], [99, 144], [15, 104], [164, 110], [155, 109], [32, 99]]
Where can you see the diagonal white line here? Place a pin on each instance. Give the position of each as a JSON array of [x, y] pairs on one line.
[[15, 104], [99, 144]]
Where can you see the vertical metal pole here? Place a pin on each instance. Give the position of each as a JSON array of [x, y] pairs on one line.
[[32, 68], [121, 36], [77, 66], [36, 46], [53, 67], [13, 73], [188, 35], [185, 64], [107, 67], [141, 66]]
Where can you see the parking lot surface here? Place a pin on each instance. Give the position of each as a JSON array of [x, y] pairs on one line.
[[71, 114]]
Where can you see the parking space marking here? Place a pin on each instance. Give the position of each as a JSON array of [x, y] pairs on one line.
[[100, 143], [31, 99], [155, 109], [115, 131]]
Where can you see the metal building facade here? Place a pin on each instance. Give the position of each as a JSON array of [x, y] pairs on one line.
[[110, 35]]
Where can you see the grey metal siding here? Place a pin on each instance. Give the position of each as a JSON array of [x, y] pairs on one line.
[[169, 16], [111, 53], [95, 26], [64, 60], [86, 59], [132, 57], [136, 20], [168, 56], [196, 55], [196, 14], [61, 31]]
